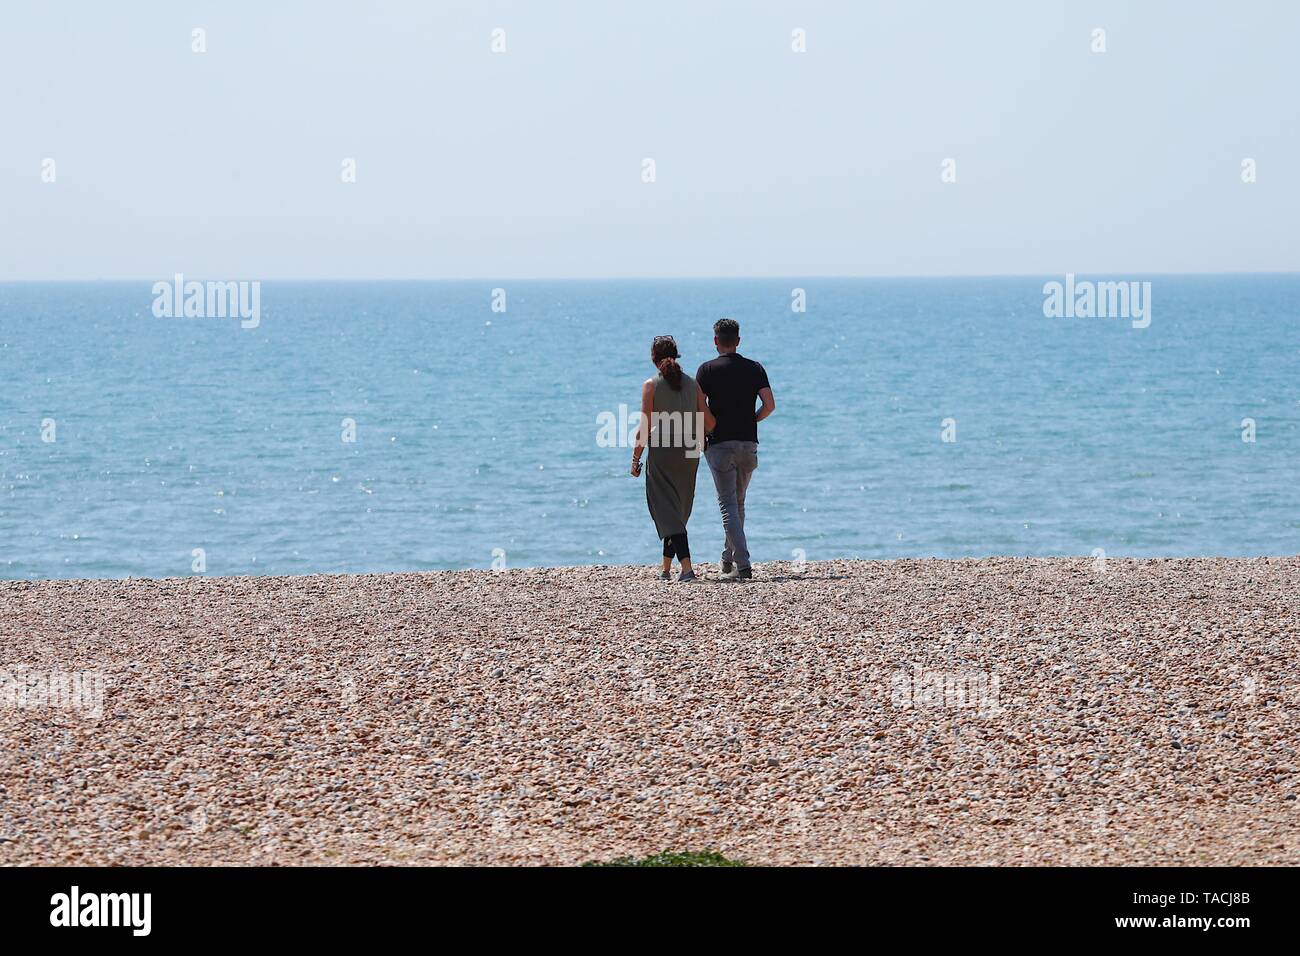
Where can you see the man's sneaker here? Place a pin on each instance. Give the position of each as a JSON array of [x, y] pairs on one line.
[[727, 567], [745, 574], [737, 574], [686, 576]]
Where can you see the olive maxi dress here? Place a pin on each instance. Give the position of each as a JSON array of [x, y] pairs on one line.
[[670, 472]]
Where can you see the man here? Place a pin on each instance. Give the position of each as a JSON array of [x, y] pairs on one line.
[[732, 383]]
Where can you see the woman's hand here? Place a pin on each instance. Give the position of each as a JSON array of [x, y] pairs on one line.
[[636, 468]]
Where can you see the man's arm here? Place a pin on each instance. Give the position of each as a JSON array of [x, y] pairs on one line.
[[769, 404]]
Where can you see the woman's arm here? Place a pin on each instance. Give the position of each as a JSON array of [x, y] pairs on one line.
[[643, 426], [702, 405]]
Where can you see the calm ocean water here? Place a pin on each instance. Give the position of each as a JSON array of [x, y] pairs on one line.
[[477, 430]]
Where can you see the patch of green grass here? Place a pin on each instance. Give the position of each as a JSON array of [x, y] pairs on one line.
[[705, 858]]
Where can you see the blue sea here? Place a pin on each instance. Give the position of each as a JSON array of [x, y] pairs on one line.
[[128, 442]]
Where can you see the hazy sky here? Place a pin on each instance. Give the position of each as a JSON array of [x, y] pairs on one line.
[[227, 164]]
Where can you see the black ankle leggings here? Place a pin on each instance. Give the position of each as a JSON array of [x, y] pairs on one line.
[[677, 547]]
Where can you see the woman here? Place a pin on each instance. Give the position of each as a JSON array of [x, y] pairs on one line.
[[674, 420]]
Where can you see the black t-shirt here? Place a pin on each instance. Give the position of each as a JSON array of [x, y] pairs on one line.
[[731, 383]]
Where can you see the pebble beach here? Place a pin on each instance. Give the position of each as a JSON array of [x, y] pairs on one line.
[[1003, 711]]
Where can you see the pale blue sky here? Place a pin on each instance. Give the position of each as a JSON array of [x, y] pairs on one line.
[[528, 164]]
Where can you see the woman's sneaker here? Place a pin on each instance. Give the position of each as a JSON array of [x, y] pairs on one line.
[[686, 576]]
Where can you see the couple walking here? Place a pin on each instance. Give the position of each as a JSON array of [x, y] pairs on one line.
[[721, 396]]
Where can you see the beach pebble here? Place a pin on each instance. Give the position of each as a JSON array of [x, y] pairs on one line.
[[992, 711]]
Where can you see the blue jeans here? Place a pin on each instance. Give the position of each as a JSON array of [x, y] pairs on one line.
[[732, 463]]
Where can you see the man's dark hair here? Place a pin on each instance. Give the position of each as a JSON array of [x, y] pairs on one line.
[[727, 331]]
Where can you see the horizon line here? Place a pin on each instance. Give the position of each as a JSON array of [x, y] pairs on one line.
[[666, 278]]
